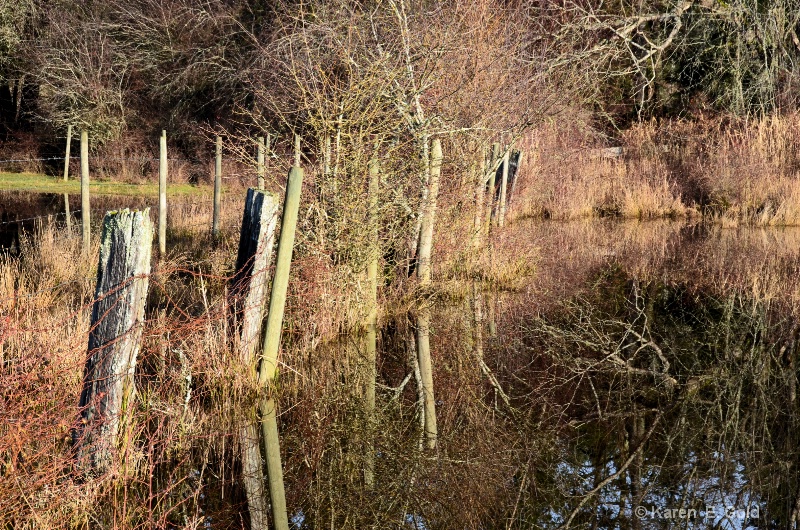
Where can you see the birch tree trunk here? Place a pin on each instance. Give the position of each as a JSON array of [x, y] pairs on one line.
[[114, 337]]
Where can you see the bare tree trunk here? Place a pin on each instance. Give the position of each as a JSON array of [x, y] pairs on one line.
[[424, 315], [114, 337], [248, 301]]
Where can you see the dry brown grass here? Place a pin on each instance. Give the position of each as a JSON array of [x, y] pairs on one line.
[[733, 171]]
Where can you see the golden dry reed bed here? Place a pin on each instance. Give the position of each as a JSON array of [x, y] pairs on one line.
[[732, 170]]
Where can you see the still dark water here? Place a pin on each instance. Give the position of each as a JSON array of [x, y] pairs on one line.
[[650, 370]]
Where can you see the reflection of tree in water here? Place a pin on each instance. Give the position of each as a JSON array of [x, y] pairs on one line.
[[670, 398]]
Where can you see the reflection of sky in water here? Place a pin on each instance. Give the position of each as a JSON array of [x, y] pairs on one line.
[[697, 494]]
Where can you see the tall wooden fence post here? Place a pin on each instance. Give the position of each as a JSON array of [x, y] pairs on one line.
[[162, 194], [501, 214], [492, 184], [260, 163], [249, 297], [66, 152], [271, 344], [424, 314], [114, 336], [372, 321], [85, 207], [217, 187]]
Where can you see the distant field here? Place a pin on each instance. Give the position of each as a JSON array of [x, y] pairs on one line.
[[44, 184]]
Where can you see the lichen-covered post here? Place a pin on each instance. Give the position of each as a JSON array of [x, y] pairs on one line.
[[114, 336], [85, 207], [249, 297], [162, 194]]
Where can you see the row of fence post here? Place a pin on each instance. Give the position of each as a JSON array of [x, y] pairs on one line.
[[116, 330], [263, 144]]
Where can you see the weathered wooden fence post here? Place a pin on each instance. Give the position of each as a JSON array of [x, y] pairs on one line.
[[217, 188], [85, 207], [297, 151], [249, 296], [67, 215], [162, 194], [260, 170], [424, 314], [518, 156], [425, 164], [66, 153], [114, 335], [271, 344], [492, 184], [501, 215], [372, 321]]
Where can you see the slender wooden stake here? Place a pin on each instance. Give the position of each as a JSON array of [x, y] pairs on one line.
[[424, 315], [297, 152], [114, 336], [501, 217], [492, 176], [66, 153], [162, 194], [85, 207], [372, 322], [268, 370], [260, 162], [217, 188], [248, 303]]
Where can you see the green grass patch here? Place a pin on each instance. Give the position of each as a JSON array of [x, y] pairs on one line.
[[36, 183]]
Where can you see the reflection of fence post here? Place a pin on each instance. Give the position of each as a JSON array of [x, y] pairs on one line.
[[260, 162], [114, 336], [249, 291], [217, 187], [66, 153], [85, 208], [162, 194]]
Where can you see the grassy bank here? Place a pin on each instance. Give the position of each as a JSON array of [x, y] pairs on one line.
[[37, 183]]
